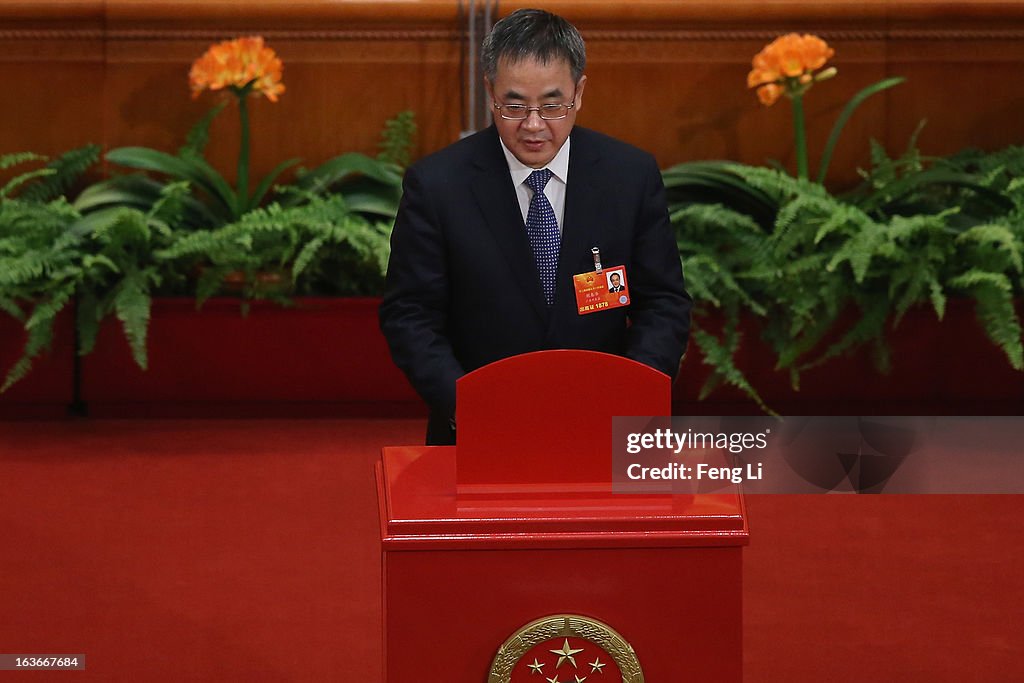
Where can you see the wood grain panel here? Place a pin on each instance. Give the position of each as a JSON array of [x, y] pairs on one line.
[[667, 75]]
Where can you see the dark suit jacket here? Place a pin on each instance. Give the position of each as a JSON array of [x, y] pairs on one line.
[[463, 288]]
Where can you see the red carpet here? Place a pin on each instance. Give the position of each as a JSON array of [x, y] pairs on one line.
[[248, 551], [884, 588]]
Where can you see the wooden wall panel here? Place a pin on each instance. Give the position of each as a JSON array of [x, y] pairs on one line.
[[969, 91], [51, 68], [667, 75]]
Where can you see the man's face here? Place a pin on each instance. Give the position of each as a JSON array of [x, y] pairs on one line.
[[533, 140], [615, 279]]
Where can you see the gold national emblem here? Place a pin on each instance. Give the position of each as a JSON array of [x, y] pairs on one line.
[[565, 648]]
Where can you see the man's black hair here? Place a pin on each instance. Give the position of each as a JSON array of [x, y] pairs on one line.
[[533, 34]]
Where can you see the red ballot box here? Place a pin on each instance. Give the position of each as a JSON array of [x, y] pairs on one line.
[[509, 556]]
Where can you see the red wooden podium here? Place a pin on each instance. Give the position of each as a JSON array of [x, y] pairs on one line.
[[509, 558]]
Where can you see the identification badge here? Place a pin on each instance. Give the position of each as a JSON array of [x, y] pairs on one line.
[[601, 290]]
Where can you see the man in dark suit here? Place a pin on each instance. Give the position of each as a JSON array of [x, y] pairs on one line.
[[616, 283], [492, 229]]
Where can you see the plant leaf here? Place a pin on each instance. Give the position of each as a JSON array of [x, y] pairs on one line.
[[261, 190], [844, 116]]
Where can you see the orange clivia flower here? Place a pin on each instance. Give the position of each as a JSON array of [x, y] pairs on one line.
[[236, 64], [769, 93], [786, 66]]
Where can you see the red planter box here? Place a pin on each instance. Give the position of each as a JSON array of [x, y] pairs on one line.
[[946, 367], [324, 357], [48, 389], [327, 357]]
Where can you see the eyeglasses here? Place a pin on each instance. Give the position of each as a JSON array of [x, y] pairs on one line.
[[519, 112]]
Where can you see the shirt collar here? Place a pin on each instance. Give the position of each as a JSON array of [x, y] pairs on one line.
[[559, 165]]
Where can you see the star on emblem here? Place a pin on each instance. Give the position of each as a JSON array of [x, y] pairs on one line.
[[537, 667], [580, 680], [596, 665], [552, 680], [565, 653]]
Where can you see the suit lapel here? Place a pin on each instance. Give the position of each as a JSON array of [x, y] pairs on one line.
[[493, 191], [582, 221]]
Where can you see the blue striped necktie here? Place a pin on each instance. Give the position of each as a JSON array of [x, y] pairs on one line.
[[542, 229]]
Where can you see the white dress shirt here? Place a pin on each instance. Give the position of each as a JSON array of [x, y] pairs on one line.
[[554, 190]]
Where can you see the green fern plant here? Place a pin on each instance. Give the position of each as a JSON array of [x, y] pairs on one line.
[[990, 272], [824, 255], [105, 263], [327, 234], [913, 184], [718, 247], [123, 267], [398, 139], [320, 246], [40, 257]]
